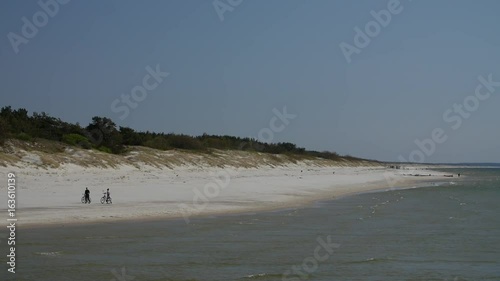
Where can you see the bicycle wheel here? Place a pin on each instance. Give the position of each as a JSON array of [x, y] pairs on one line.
[[83, 199], [102, 200]]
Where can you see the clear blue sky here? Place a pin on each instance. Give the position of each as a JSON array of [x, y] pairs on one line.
[[227, 76]]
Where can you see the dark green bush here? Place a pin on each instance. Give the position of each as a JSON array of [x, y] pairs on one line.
[[159, 142], [184, 142], [105, 149], [77, 140], [24, 137]]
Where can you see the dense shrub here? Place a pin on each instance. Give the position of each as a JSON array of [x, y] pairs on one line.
[[77, 140], [105, 149], [24, 137], [4, 131], [159, 142], [184, 142]]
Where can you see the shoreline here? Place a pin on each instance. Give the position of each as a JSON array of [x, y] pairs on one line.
[[248, 191], [284, 207]]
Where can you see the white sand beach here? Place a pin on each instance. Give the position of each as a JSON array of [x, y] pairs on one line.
[[51, 196]]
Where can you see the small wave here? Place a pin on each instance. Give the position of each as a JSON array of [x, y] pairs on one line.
[[255, 275], [262, 276], [370, 260], [50, 254]]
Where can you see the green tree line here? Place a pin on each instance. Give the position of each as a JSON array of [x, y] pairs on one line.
[[103, 134]]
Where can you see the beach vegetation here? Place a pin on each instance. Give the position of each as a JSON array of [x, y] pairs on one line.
[[104, 135], [77, 140]]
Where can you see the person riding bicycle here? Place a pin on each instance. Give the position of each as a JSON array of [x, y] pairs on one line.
[[87, 195], [107, 195]]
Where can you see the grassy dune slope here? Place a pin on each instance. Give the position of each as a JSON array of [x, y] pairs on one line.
[[49, 154]]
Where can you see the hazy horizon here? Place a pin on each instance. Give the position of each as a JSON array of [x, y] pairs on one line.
[[424, 84]]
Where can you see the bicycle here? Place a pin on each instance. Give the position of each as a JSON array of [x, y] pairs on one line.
[[84, 200], [106, 199]]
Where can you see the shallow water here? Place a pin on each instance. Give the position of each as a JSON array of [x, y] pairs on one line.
[[440, 232]]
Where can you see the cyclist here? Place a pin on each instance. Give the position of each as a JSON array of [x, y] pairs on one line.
[[107, 195], [87, 195]]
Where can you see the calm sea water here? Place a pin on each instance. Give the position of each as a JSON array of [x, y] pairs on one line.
[[441, 232]]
